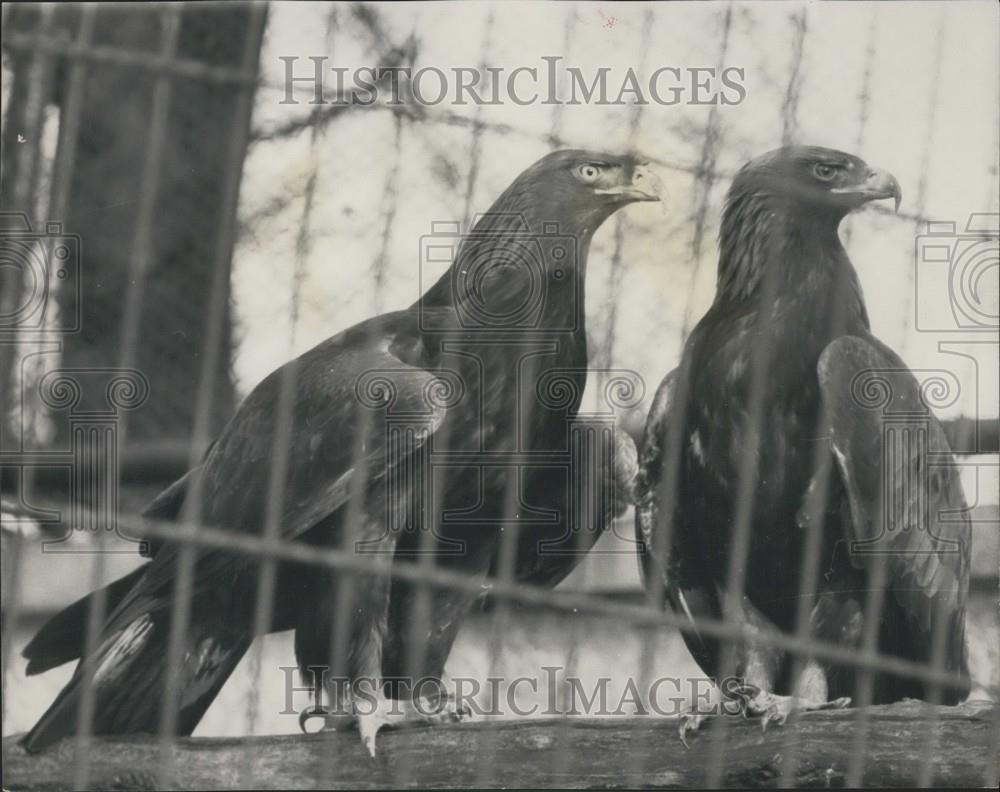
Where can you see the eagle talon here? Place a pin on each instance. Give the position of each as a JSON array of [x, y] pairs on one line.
[[689, 723], [774, 714], [369, 726], [776, 709], [331, 721], [448, 711]]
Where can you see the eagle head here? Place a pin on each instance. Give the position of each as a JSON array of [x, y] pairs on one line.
[[579, 189], [815, 180], [782, 214]]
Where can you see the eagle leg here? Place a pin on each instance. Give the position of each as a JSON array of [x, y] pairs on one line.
[[776, 709], [809, 695], [382, 713], [371, 720], [401, 713], [692, 721], [435, 709]]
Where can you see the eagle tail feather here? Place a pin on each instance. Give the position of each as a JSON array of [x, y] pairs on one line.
[[129, 680], [62, 638]]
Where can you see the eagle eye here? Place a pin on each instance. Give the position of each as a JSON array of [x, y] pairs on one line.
[[588, 172], [824, 172]]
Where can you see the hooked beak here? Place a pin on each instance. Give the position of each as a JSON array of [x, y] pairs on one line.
[[878, 184], [645, 186]]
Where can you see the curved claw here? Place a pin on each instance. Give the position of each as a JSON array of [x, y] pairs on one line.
[[776, 709], [689, 723], [773, 714], [309, 713], [369, 726], [331, 721]]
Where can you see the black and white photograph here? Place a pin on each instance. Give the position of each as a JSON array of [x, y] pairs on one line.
[[500, 395]]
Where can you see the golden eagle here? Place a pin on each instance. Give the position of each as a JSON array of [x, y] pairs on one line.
[[771, 432], [455, 378]]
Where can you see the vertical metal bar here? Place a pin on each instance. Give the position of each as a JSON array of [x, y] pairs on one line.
[[864, 103], [667, 488], [501, 619], [69, 120], [992, 187], [61, 178], [815, 509], [939, 633], [790, 106], [191, 511], [920, 199], [705, 176], [23, 160], [617, 272], [478, 128], [340, 632], [939, 648], [12, 565], [746, 489], [614, 288], [865, 687], [509, 531], [343, 603], [415, 643], [39, 82], [749, 463], [569, 31], [284, 422], [586, 446], [129, 338], [337, 670], [992, 775], [142, 241], [742, 522], [822, 467], [390, 205]]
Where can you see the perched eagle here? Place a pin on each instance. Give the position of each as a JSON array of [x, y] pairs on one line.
[[787, 420], [430, 430]]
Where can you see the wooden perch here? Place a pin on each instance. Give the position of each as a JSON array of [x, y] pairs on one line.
[[607, 753]]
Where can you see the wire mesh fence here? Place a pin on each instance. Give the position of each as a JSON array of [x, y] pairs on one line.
[[225, 224]]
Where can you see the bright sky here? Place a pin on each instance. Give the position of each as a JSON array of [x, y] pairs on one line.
[[932, 120]]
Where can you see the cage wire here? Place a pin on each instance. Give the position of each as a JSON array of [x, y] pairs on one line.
[[309, 255]]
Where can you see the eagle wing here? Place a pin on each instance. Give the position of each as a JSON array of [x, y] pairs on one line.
[[650, 473], [667, 568], [903, 490], [335, 384], [374, 369]]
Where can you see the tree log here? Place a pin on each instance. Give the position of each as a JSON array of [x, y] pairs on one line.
[[584, 753]]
